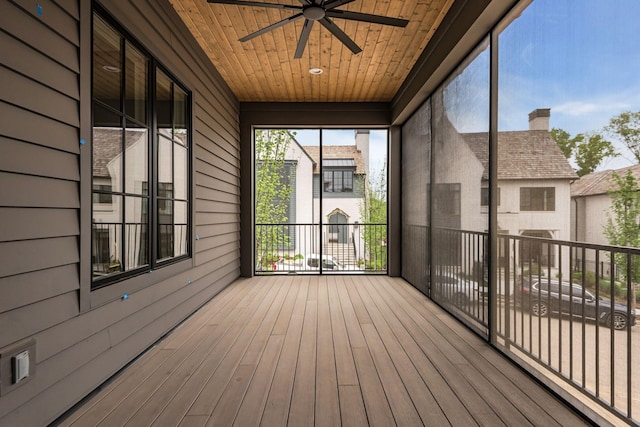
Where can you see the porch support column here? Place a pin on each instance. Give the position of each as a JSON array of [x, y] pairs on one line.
[[246, 198], [394, 200]]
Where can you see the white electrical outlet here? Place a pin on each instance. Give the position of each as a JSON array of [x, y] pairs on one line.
[[20, 366]]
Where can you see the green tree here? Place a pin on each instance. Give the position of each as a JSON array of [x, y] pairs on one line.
[[373, 211], [272, 193], [564, 140], [622, 220], [591, 152], [626, 126], [587, 150]]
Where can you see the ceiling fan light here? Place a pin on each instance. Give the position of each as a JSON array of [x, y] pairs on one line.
[[316, 71]]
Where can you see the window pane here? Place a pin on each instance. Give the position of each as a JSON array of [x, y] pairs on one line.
[[537, 198], [180, 115], [484, 196], [328, 181], [165, 193], [181, 229], [136, 233], [337, 181], [180, 167], [347, 181], [107, 149], [106, 247], [136, 98], [136, 159], [163, 104], [165, 161], [107, 64], [165, 229]]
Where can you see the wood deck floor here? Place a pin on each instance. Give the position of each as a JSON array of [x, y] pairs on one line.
[[325, 351]]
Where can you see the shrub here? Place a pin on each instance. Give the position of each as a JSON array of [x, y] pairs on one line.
[[533, 270], [589, 278]]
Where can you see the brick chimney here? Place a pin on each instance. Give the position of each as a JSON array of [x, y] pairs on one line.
[[362, 145], [539, 119]]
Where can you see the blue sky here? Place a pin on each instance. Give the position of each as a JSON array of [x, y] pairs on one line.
[[581, 58]]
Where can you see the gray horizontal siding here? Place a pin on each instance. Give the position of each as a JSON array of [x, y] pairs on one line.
[[40, 204], [32, 159], [52, 34]]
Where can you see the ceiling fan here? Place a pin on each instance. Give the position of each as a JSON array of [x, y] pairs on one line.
[[316, 10]]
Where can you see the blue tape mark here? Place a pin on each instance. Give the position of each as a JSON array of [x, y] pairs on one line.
[[39, 10], [82, 141], [125, 296]]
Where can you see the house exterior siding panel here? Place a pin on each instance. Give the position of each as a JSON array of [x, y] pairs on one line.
[[83, 337], [31, 63], [32, 159], [41, 34], [29, 288]]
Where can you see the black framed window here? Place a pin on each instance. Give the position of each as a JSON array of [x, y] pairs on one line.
[[484, 196], [338, 181], [537, 199], [140, 159]]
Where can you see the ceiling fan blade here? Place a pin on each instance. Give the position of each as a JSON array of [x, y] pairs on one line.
[[256, 3], [336, 31], [335, 3], [304, 37], [366, 17], [271, 27]]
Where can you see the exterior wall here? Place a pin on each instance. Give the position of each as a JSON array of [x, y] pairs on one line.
[[304, 183], [511, 220], [83, 337], [591, 217], [303, 197]]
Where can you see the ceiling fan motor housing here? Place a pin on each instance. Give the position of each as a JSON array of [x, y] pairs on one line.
[[314, 13]]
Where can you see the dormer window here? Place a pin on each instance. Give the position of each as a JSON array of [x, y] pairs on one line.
[[338, 175], [338, 181]]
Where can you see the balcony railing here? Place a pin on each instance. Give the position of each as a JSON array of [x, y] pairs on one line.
[[108, 237], [565, 310], [459, 275], [330, 248]]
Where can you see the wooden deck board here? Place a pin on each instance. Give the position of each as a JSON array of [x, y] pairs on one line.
[[321, 350], [327, 411]]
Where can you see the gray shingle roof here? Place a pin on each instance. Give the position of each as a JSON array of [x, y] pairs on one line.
[[527, 154], [600, 182]]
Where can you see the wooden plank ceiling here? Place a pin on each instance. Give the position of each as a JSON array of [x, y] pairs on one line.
[[263, 69]]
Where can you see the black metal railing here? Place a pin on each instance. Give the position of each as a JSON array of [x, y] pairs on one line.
[[121, 247], [310, 248], [565, 310], [572, 312], [459, 275]]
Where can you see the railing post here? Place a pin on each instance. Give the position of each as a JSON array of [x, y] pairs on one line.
[[507, 296]]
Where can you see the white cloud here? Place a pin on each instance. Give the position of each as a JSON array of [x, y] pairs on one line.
[[579, 108]]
